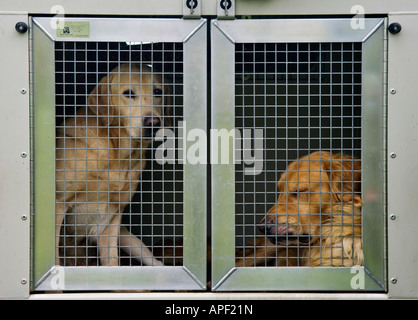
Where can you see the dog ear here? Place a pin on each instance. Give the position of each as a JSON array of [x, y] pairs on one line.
[[344, 174], [99, 101]]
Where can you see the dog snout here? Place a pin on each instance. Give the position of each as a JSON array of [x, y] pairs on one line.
[[151, 125], [282, 233], [268, 226]]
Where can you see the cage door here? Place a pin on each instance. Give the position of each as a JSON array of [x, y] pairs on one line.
[[298, 155], [115, 206]]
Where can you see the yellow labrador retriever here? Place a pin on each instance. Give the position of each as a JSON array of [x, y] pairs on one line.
[[100, 153]]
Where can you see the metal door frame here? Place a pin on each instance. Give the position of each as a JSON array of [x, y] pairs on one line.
[[48, 276], [224, 35], [192, 276]]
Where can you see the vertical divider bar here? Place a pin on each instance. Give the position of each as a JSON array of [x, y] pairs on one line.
[[223, 174], [44, 154], [373, 155], [194, 176]]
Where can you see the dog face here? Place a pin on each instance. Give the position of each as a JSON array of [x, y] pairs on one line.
[[132, 97], [308, 188]]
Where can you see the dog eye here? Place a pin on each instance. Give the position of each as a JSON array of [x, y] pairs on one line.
[[298, 193], [158, 92], [129, 93]]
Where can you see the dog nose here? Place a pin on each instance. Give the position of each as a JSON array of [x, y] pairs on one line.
[[152, 122], [151, 125], [268, 226]]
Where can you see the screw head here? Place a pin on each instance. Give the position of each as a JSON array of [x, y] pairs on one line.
[[24, 217], [392, 155], [394, 28], [23, 91], [392, 90], [23, 281], [392, 217], [24, 154], [21, 27], [393, 280]]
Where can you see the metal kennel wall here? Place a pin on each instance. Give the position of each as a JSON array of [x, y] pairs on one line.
[[318, 84], [263, 65], [74, 57]]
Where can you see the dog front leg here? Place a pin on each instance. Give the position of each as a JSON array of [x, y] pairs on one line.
[[135, 247], [256, 257], [108, 243]]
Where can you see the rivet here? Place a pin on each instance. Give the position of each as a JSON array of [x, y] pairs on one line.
[[24, 217], [393, 280], [392, 155], [23, 281], [394, 28], [21, 27], [23, 90], [392, 91], [24, 154], [392, 217]]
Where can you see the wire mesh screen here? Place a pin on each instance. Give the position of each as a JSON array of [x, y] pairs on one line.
[[303, 208], [116, 203]]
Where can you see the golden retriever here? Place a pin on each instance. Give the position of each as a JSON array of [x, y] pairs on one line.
[[100, 153], [316, 220]]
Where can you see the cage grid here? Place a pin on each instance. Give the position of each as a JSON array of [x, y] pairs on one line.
[[306, 97], [154, 213]]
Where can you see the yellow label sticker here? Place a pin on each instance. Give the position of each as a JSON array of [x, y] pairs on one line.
[[73, 29]]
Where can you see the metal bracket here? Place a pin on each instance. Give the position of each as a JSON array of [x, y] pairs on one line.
[[226, 9], [192, 9]]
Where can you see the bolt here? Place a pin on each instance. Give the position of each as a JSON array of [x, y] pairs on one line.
[[24, 154], [392, 155], [392, 91], [392, 217], [394, 28], [23, 91], [21, 27], [393, 280]]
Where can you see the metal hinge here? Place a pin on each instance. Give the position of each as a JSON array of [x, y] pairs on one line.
[[226, 9], [192, 9]]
